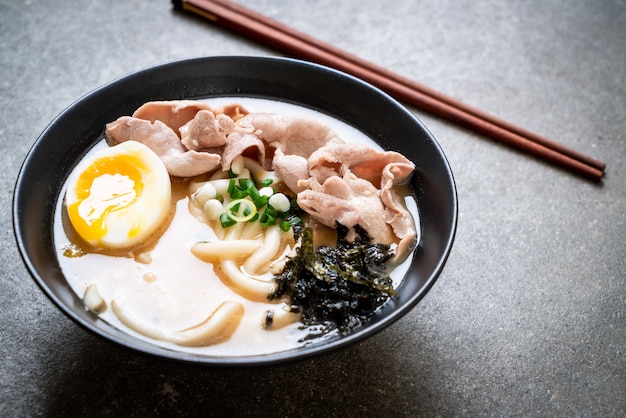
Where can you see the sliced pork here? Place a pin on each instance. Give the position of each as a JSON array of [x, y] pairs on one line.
[[235, 111], [291, 169], [238, 143], [382, 169], [161, 139], [293, 135], [206, 131], [363, 161], [350, 201], [173, 113]]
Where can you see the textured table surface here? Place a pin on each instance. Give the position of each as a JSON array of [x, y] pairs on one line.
[[527, 317]]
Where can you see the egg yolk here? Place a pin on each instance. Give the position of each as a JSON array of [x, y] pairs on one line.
[[109, 184]]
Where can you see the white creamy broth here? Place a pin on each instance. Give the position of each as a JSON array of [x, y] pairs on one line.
[[176, 290]]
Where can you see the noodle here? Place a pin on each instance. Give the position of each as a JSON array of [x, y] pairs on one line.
[[216, 328], [265, 254], [247, 286]]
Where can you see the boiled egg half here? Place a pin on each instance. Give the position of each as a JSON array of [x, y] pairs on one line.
[[118, 196]]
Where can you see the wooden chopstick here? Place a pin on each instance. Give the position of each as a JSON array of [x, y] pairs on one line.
[[276, 35], [414, 85]]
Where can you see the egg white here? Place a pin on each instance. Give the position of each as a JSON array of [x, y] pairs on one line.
[[119, 196]]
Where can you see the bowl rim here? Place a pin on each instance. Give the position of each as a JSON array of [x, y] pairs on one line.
[[152, 73]]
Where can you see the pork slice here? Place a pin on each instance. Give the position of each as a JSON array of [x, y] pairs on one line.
[[161, 139], [191, 163], [206, 131], [293, 135], [365, 162], [237, 143], [156, 135], [396, 214], [291, 169], [383, 169], [173, 113], [235, 111], [348, 200]]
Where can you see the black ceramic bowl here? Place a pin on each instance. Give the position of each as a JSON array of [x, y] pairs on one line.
[[346, 98]]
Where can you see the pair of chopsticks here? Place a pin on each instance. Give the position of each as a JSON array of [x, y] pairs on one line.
[[276, 35]]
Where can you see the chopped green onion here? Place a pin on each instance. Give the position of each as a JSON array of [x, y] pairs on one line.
[[285, 226], [289, 222], [235, 207], [238, 193], [271, 211], [267, 219], [253, 192], [226, 221], [245, 183], [261, 201], [250, 202]]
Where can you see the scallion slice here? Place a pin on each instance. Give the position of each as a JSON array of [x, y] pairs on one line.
[[241, 210]]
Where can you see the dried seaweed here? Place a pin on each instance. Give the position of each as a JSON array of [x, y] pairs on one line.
[[336, 288]]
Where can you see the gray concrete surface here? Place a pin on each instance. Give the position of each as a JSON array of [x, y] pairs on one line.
[[527, 318]]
